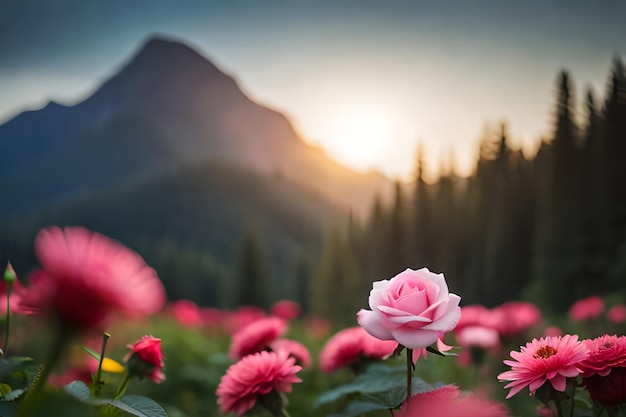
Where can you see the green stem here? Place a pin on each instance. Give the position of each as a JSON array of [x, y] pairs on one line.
[[98, 381], [8, 328], [122, 389], [559, 408], [285, 413], [409, 372]]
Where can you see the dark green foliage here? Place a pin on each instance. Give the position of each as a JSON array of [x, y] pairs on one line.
[[189, 225], [379, 387], [551, 229], [336, 292], [252, 285], [424, 230]]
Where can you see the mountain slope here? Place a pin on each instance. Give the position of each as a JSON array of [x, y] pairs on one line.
[[167, 107], [184, 218]]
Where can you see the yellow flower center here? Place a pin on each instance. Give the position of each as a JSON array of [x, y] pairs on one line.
[[544, 352]]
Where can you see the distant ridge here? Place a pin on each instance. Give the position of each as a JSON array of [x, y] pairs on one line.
[[167, 107]]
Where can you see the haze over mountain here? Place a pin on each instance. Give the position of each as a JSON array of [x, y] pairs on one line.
[[167, 107]]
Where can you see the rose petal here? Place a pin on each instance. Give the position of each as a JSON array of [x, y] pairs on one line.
[[370, 322], [450, 319], [414, 339], [415, 303]]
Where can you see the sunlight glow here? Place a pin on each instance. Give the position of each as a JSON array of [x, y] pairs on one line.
[[359, 135]]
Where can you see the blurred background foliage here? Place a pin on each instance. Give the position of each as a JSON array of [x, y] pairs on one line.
[[550, 228]]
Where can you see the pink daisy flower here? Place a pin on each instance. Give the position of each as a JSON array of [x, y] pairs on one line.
[[515, 317], [186, 312], [253, 377], [350, 345], [86, 278], [256, 336], [480, 336], [295, 349], [605, 353], [212, 318], [286, 310], [240, 318], [617, 314], [587, 308], [475, 315], [553, 331], [551, 359]]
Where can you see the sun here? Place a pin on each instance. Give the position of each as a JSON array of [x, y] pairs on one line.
[[359, 135]]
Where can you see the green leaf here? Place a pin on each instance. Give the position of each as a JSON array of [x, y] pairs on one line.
[[81, 392], [91, 352], [582, 403], [379, 384], [8, 409], [5, 389], [13, 364], [356, 408], [149, 407], [13, 395], [136, 405]]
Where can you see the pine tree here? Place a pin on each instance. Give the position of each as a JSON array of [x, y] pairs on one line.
[[373, 260], [424, 251], [396, 244], [301, 281], [507, 224], [558, 249], [615, 137], [336, 292], [252, 279]]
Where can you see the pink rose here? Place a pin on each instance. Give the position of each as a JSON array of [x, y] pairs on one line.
[[413, 308], [145, 359]]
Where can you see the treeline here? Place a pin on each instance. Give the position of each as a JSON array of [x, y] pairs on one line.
[[550, 229]]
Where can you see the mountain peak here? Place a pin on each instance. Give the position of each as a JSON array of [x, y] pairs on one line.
[[161, 51], [162, 76]]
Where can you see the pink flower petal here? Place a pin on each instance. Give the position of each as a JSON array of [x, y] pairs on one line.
[[370, 322], [414, 339]]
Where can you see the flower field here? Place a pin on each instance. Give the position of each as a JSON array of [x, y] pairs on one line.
[[91, 334]]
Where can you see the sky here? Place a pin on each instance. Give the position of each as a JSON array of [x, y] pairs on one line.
[[369, 81]]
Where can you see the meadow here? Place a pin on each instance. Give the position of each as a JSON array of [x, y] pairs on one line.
[[196, 342]]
